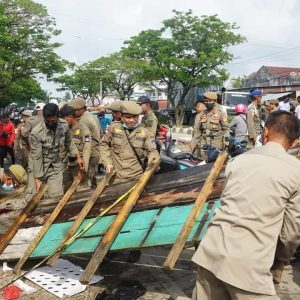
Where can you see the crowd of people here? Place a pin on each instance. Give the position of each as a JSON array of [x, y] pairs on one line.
[[259, 219]]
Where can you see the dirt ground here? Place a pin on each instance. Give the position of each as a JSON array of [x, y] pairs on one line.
[[158, 282]]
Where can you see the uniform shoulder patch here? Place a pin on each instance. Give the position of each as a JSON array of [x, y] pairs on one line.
[[77, 131]]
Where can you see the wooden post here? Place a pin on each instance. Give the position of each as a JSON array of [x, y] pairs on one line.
[[12, 194], [47, 224], [116, 226], [12, 230], [81, 216], [199, 203]]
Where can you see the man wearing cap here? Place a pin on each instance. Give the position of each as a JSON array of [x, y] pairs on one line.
[[7, 137], [21, 146], [88, 120], [149, 120], [32, 121], [12, 177], [127, 144], [212, 128], [50, 142], [81, 137], [254, 118], [115, 107]]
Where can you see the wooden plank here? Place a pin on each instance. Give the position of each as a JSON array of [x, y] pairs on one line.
[[47, 224], [12, 230], [79, 219], [132, 234], [199, 203], [114, 229]]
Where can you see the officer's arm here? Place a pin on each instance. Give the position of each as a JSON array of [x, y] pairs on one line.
[[196, 134], [105, 147], [69, 143], [289, 238], [150, 147], [250, 124], [224, 126], [87, 148], [26, 130], [153, 128], [36, 153], [17, 139]]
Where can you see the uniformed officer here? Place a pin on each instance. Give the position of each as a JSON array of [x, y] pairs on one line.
[[259, 214], [254, 118], [14, 176], [149, 120], [50, 142], [91, 122], [212, 129], [32, 122], [115, 107], [21, 146], [127, 144], [81, 137]]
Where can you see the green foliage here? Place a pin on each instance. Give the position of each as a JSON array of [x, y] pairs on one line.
[[188, 51], [237, 82], [26, 50], [117, 73]]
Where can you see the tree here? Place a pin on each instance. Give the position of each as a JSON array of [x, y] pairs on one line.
[[188, 51], [26, 49], [118, 73], [237, 82]]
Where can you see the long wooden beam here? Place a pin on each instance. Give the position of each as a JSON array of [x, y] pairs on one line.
[[47, 224], [116, 226], [12, 230], [202, 197], [81, 216]]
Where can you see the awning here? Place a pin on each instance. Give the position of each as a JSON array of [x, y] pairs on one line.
[[274, 96]]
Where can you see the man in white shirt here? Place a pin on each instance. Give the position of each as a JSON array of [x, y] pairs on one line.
[[284, 105]]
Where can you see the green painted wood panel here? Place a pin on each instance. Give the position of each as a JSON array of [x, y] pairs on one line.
[[165, 225]]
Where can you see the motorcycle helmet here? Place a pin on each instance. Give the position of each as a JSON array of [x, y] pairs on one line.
[[240, 109]]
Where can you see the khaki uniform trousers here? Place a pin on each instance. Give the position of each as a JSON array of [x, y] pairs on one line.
[[209, 287], [54, 181], [69, 174], [92, 169]]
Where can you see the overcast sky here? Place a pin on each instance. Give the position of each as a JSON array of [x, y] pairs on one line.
[[93, 28]]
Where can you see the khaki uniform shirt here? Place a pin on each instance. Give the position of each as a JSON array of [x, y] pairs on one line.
[[91, 122], [260, 201], [116, 151], [29, 125], [253, 121], [81, 136], [150, 122], [48, 149], [211, 127]]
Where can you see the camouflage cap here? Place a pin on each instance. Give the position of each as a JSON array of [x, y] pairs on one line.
[[77, 103], [19, 173], [211, 96], [27, 113], [131, 107], [115, 106]]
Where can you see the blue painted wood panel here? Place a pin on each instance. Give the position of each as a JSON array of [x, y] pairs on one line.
[[152, 227]]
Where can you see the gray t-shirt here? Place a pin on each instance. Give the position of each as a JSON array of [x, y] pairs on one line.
[[239, 126]]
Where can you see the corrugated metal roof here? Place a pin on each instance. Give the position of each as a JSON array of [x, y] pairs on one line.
[[274, 96]]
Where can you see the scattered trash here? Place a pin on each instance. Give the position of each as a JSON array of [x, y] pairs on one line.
[[11, 292], [61, 280], [126, 290], [19, 283]]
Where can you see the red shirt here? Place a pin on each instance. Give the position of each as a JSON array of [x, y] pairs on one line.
[[8, 129]]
